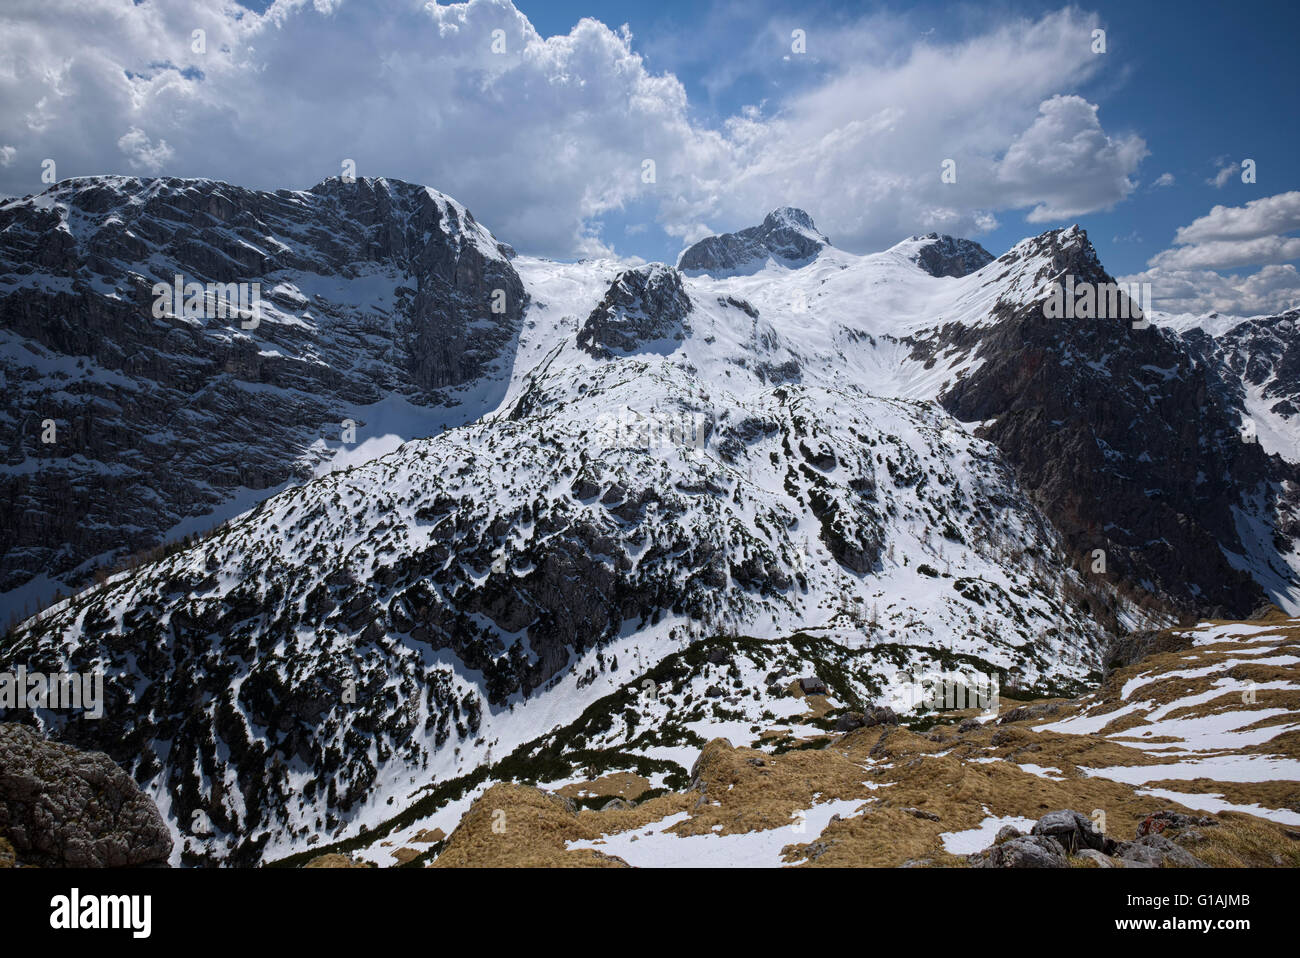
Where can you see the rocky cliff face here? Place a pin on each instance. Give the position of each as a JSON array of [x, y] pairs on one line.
[[644, 307], [369, 290], [1264, 353], [1129, 440]]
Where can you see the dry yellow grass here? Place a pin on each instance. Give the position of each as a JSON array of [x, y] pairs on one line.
[[901, 778], [520, 826], [626, 785], [336, 861], [1244, 842]]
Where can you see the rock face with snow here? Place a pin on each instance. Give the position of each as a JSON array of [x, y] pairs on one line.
[[644, 307], [1130, 443], [1264, 353], [949, 256], [369, 289], [785, 234]]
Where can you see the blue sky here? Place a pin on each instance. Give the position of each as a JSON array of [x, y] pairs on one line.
[[1203, 83], [545, 139]]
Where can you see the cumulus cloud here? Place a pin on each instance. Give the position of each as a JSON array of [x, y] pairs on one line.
[[1164, 179], [1225, 254], [544, 136], [1186, 278], [1269, 215], [1271, 290], [142, 153], [1232, 236], [1066, 164]]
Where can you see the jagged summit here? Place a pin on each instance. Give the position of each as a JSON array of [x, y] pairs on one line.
[[791, 217], [1065, 249], [786, 234]]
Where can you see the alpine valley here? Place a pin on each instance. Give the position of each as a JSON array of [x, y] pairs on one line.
[[447, 516]]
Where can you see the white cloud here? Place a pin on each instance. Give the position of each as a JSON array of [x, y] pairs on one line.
[[7, 155], [1226, 254], [1269, 215], [545, 139], [1220, 179], [1231, 236], [1186, 278], [1164, 179], [141, 153], [1271, 290], [1067, 164], [863, 152]]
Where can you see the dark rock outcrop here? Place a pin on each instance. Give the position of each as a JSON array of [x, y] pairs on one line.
[[1167, 820], [1073, 830], [950, 255], [1156, 851], [1125, 650], [62, 807], [1027, 851], [644, 307]]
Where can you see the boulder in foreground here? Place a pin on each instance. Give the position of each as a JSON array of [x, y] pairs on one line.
[[60, 807]]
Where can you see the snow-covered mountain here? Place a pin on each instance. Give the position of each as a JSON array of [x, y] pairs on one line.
[[786, 235], [897, 453], [376, 308], [1264, 353]]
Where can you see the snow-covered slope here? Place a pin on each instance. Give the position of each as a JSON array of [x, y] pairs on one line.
[[1264, 352], [469, 583]]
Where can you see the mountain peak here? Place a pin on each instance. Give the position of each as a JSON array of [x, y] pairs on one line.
[[790, 217], [787, 234], [1062, 250]]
